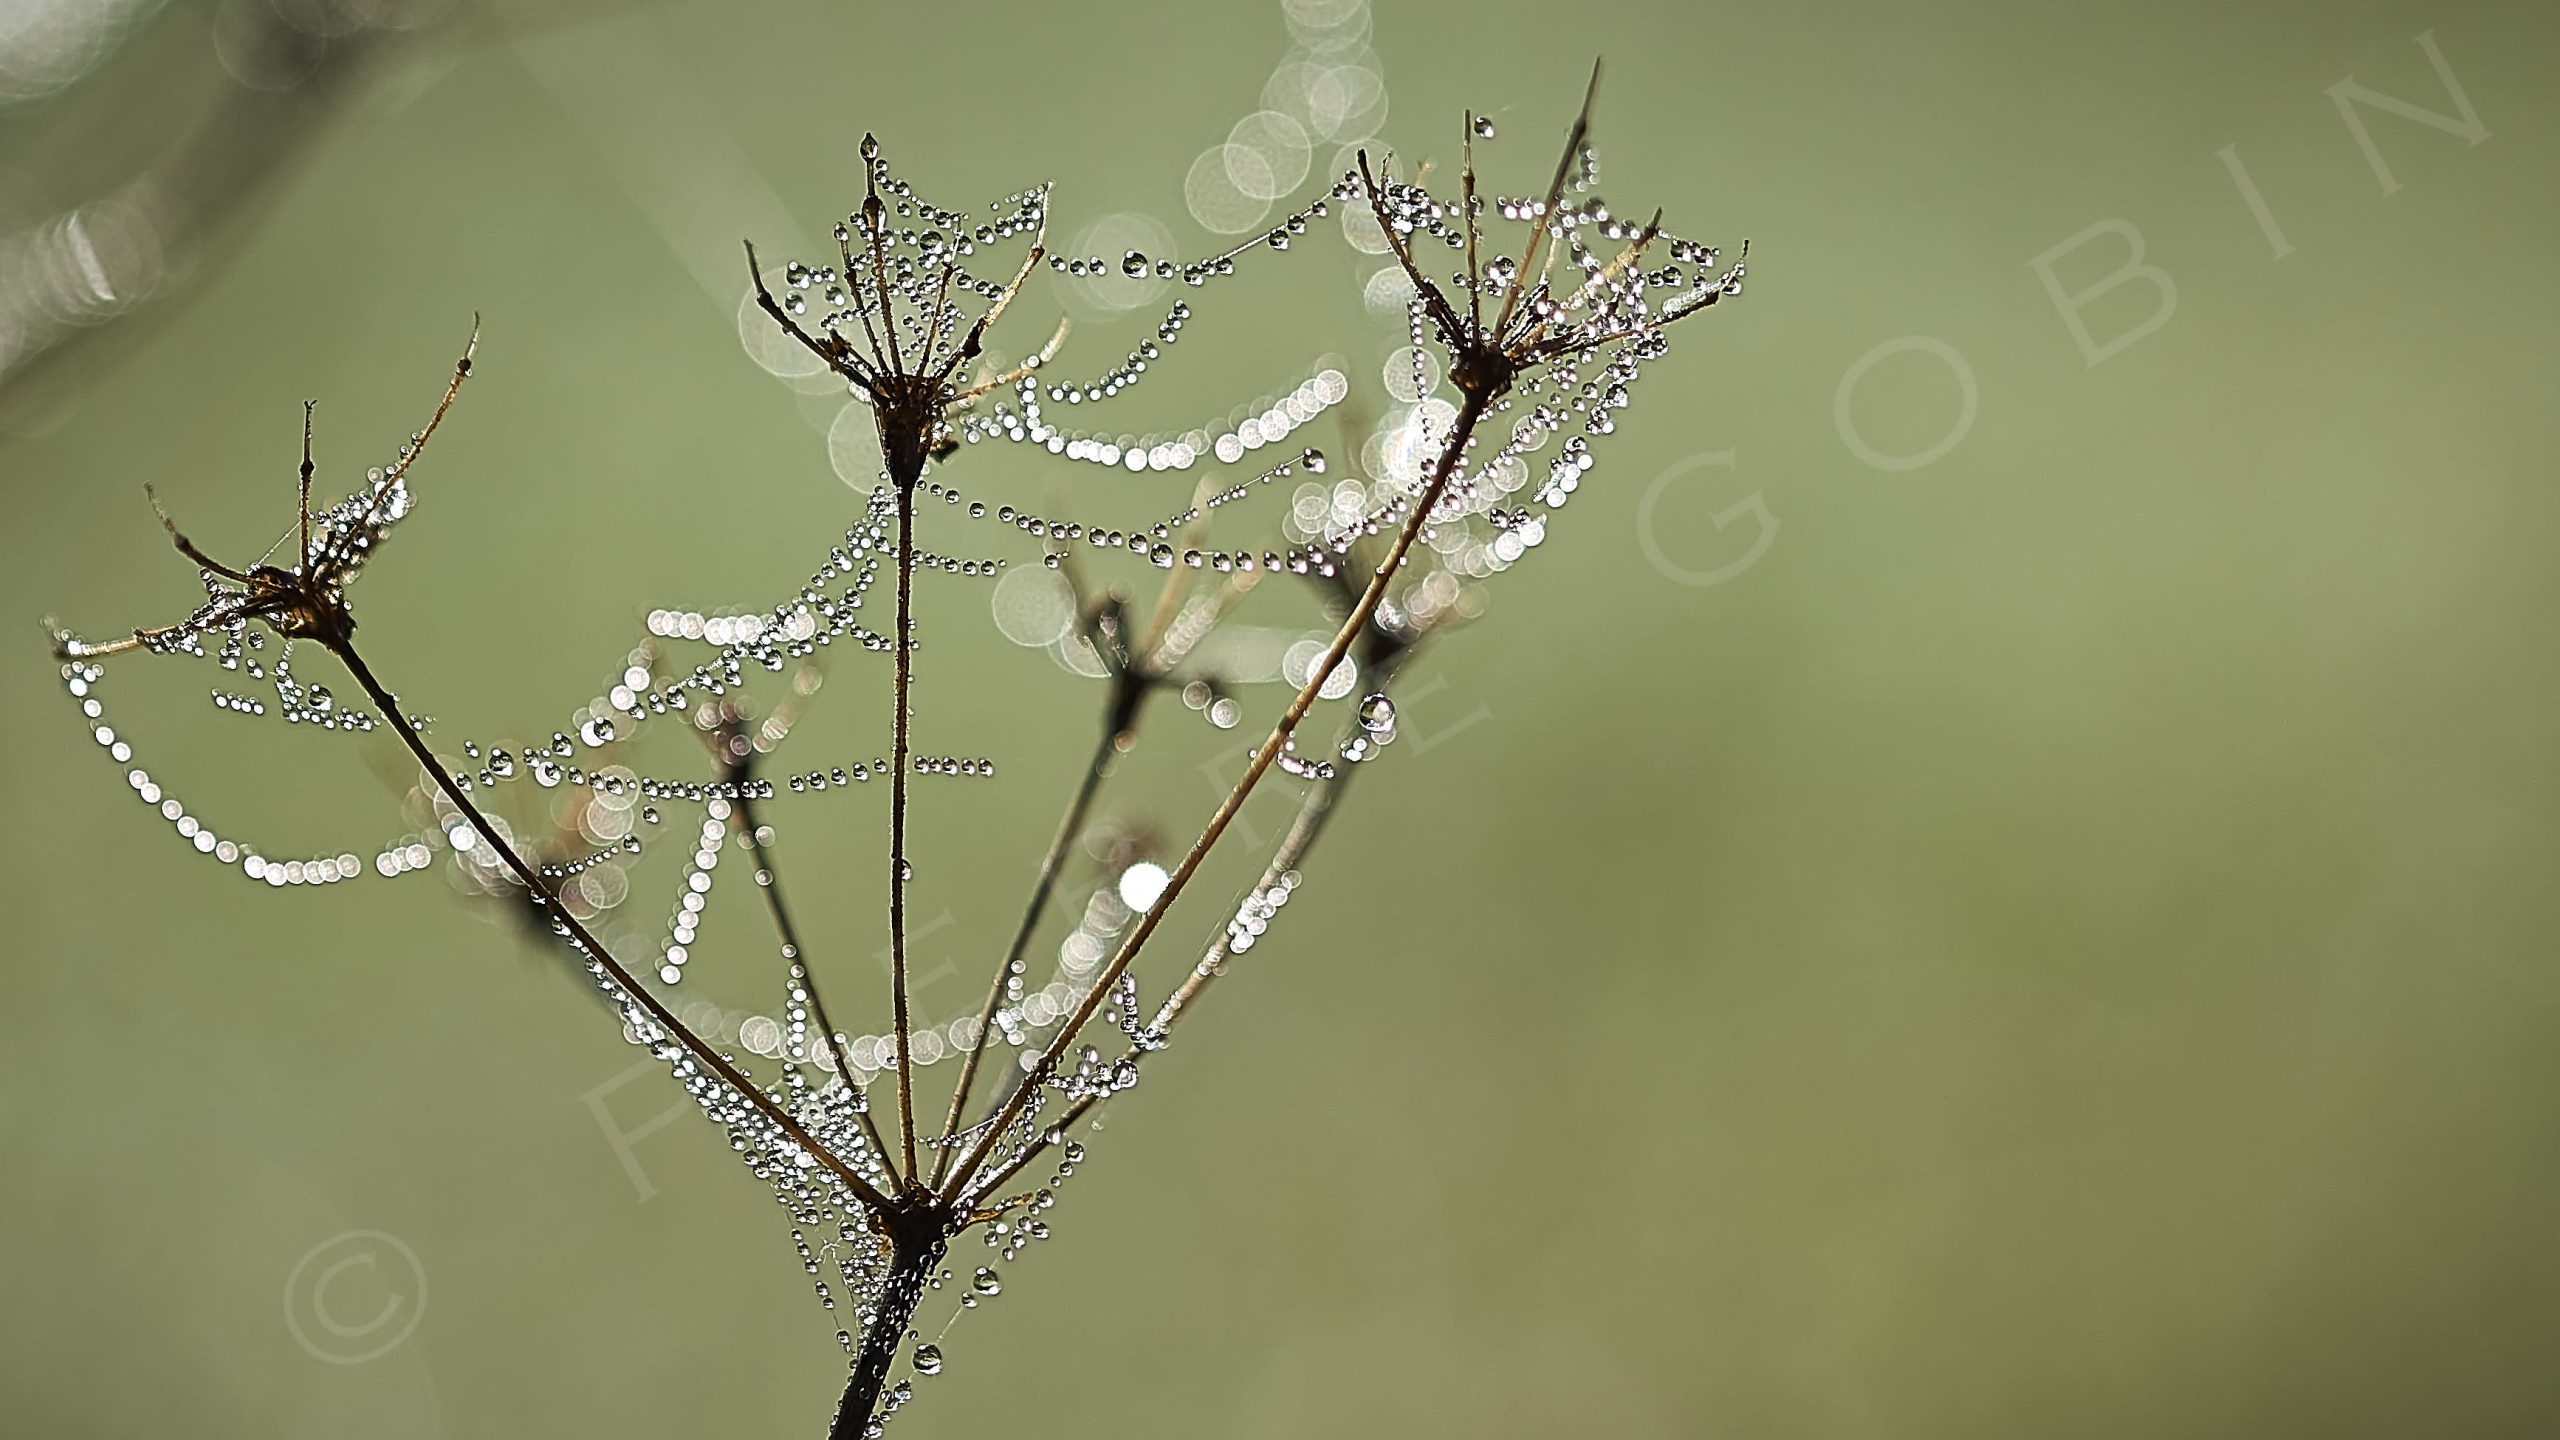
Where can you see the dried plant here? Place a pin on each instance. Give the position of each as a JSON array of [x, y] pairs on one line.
[[1540, 343]]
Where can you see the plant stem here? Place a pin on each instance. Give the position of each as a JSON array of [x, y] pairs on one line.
[[1119, 722], [1313, 811], [1304, 831], [772, 887], [905, 479], [1471, 410], [911, 1265], [630, 985]]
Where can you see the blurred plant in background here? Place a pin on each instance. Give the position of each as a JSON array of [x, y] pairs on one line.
[[113, 195]]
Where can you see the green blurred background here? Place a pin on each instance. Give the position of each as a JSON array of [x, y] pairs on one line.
[[2056, 943]]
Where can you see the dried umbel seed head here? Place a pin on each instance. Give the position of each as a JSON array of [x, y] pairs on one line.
[[1552, 336], [307, 600], [889, 314], [1578, 287]]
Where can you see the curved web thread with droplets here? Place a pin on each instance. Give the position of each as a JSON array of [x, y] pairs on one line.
[[795, 628]]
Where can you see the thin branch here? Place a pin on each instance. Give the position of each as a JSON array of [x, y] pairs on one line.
[[772, 1110], [933, 317], [1169, 598], [303, 511], [67, 646], [970, 344], [1134, 676], [186, 546], [1539, 236], [1118, 724], [898, 727], [1470, 411], [1600, 278], [1432, 300], [1467, 203], [772, 887], [1319, 804], [853, 280], [342, 549], [839, 356], [875, 219], [1034, 361]]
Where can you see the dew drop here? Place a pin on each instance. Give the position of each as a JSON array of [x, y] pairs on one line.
[[928, 1359]]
